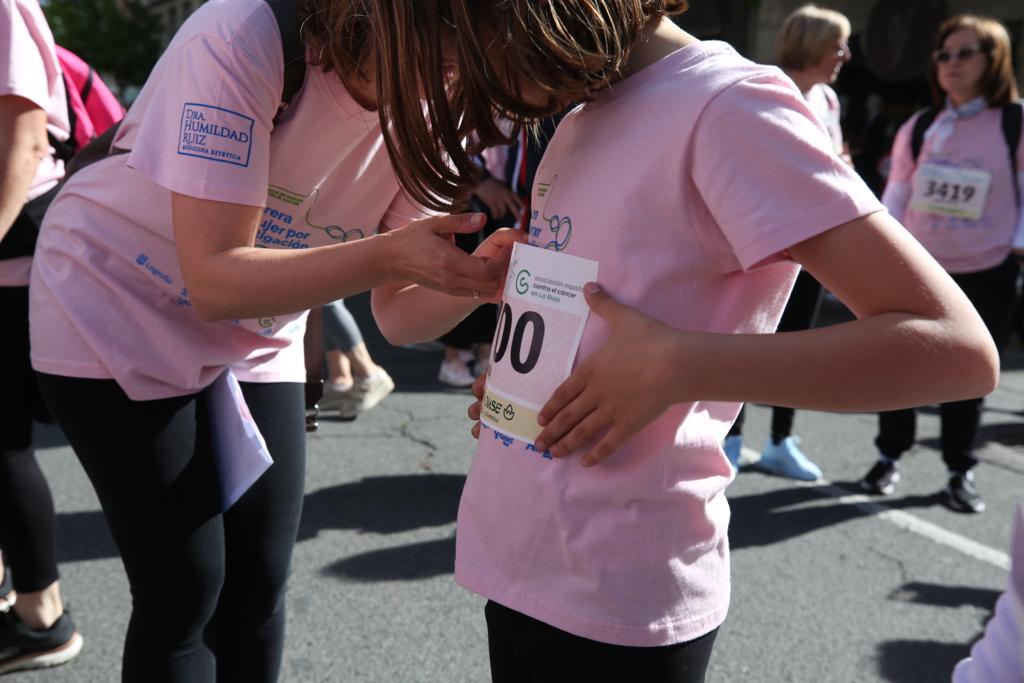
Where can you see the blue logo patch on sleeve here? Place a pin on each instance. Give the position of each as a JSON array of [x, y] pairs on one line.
[[215, 133]]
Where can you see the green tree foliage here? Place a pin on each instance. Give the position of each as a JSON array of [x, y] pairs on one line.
[[120, 38]]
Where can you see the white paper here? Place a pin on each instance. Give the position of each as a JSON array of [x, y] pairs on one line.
[[239, 449], [950, 191], [540, 326]]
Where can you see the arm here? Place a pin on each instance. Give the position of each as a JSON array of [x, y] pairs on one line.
[[917, 340], [228, 277], [406, 313], [22, 145]]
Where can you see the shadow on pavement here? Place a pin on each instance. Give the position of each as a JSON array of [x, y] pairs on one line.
[[922, 593], [408, 562], [383, 505], [766, 518], [84, 536], [915, 661]]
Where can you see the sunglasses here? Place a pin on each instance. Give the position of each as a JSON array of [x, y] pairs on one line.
[[962, 55]]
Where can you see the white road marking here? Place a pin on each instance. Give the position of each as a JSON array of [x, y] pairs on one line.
[[902, 520]]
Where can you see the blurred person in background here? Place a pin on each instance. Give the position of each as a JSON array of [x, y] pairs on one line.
[[811, 48], [355, 383], [955, 184], [35, 631], [467, 346]]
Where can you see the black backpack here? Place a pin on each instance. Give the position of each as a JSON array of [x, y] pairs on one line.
[[1013, 116], [20, 240]]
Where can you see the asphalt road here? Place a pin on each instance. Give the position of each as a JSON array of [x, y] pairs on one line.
[[827, 585]]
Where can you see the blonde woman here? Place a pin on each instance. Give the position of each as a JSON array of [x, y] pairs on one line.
[[811, 48]]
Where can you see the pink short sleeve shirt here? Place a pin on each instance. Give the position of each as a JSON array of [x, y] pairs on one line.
[[29, 69], [686, 182], [108, 297]]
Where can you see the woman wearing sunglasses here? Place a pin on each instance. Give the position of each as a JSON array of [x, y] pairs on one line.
[[955, 187]]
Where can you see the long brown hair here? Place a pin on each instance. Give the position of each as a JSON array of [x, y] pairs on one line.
[[998, 85], [565, 48]]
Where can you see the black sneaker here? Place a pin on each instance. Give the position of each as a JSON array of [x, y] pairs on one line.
[[881, 478], [23, 648], [962, 496]]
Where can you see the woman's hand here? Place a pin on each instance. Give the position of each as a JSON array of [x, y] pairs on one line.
[[498, 198], [423, 253], [615, 392]]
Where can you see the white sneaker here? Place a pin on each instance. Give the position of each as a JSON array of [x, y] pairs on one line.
[[366, 393], [334, 395], [454, 373]]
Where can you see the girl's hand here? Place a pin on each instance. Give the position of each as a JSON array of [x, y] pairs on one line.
[[476, 406], [423, 253], [497, 249], [616, 391]]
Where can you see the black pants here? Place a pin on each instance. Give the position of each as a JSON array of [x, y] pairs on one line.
[[993, 293], [28, 527], [525, 650], [798, 315], [208, 589]]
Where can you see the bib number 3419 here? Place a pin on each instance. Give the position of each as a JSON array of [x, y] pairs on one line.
[[511, 340]]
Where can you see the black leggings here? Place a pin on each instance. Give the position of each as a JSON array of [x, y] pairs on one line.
[[28, 526], [207, 588], [525, 650]]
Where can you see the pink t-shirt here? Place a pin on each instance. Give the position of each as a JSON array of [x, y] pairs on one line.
[[108, 299], [824, 102], [961, 245], [29, 69], [686, 182]]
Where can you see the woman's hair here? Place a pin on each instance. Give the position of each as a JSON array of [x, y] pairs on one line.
[[808, 34], [998, 85], [566, 49]]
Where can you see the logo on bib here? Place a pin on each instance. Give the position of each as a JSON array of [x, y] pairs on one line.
[[523, 281], [215, 133]]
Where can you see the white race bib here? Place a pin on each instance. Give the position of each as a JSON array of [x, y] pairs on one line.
[[950, 191], [540, 326]]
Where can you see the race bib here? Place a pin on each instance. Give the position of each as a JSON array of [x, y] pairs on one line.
[[539, 330], [950, 191]]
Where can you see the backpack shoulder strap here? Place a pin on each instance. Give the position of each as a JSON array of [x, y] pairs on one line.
[[87, 86], [286, 13], [921, 125], [1013, 117]]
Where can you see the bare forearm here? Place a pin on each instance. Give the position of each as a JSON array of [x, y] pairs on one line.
[[248, 282], [22, 147], [885, 362], [410, 314]]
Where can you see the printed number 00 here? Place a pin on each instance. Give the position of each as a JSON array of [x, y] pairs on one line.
[[536, 339]]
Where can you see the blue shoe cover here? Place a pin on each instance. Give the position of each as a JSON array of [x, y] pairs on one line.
[[733, 446], [787, 460]]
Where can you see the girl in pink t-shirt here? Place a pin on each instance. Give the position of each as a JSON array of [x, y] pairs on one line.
[[699, 182], [960, 197]]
